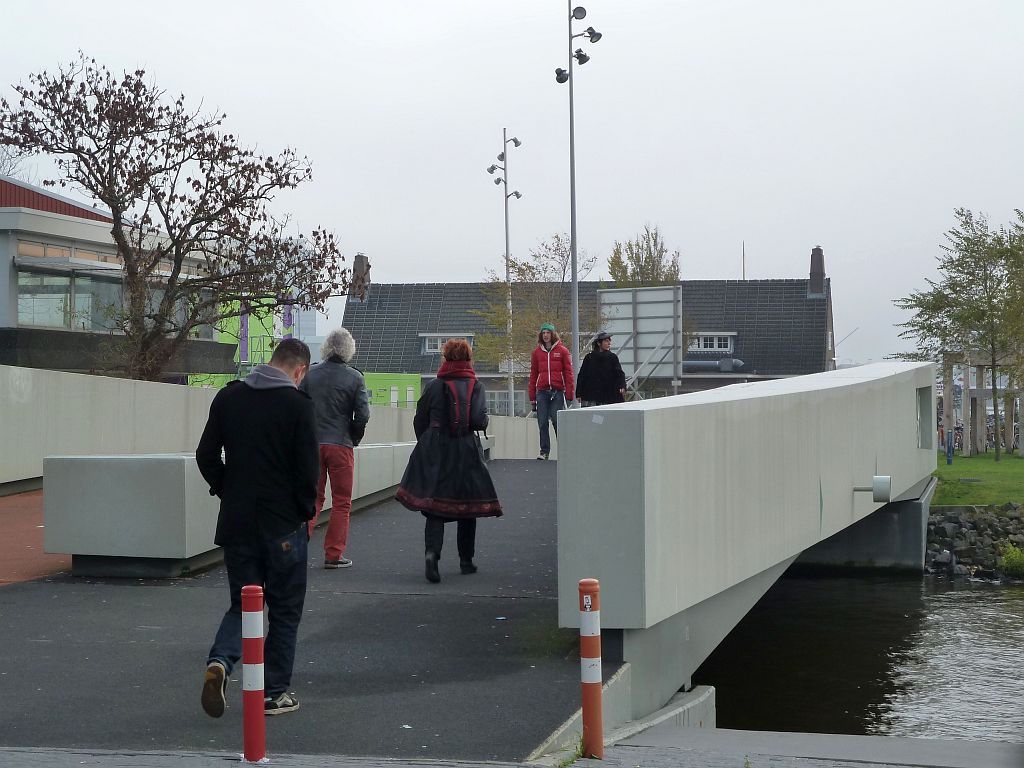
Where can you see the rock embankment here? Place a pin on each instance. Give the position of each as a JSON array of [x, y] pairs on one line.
[[970, 540]]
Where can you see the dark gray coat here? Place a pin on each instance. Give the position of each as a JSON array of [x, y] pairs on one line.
[[339, 401]]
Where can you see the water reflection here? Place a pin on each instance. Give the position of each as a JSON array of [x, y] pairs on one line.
[[908, 657]]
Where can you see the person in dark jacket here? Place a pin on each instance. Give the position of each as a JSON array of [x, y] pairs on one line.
[[446, 478], [342, 412], [551, 385], [601, 379], [266, 481]]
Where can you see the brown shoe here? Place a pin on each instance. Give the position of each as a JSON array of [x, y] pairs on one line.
[[215, 687]]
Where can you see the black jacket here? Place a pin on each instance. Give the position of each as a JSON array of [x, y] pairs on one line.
[[446, 476], [267, 485], [339, 401], [600, 378]]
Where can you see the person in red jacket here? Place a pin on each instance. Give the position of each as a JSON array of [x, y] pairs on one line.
[[551, 383]]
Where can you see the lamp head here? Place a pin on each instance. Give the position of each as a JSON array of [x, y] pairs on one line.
[[561, 75], [516, 142], [593, 34], [498, 181], [581, 57], [501, 157], [579, 13], [517, 194], [492, 168]]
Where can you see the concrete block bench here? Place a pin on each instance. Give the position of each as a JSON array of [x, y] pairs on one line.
[[152, 516]]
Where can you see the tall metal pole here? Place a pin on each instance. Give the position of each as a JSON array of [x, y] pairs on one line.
[[575, 292], [508, 280]]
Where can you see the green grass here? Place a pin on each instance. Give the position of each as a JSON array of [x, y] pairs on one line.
[[999, 483]]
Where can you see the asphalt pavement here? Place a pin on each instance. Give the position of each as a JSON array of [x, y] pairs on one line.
[[388, 665]]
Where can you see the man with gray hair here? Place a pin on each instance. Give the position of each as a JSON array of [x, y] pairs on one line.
[[342, 411]]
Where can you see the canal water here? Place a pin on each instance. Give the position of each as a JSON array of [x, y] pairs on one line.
[[923, 657]]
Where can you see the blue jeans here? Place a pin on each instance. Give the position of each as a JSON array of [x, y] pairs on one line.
[[280, 567], [549, 403]]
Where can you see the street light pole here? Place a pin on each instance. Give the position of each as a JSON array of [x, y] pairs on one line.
[[561, 75], [508, 284], [575, 289], [503, 180]]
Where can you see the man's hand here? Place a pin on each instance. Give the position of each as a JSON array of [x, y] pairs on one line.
[[533, 406]]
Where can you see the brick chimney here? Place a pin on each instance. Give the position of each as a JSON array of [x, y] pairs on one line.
[[816, 285]]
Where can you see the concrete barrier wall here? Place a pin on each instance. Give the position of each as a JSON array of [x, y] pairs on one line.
[[672, 501], [50, 413], [45, 413], [158, 505]]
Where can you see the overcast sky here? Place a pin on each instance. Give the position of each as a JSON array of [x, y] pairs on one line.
[[787, 124]]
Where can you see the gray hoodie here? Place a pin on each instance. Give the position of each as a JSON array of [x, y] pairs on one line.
[[268, 377]]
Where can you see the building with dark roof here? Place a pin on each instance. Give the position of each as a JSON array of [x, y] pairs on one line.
[[724, 331]]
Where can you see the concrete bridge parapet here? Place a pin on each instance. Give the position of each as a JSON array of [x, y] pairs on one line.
[[688, 508]]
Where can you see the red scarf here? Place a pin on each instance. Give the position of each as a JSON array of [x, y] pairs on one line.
[[459, 369]]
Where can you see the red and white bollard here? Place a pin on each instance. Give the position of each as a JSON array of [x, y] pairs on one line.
[[590, 667], [254, 724]]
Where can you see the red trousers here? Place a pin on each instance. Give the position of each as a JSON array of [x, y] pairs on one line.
[[338, 463]]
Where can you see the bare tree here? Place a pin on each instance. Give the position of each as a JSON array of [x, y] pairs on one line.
[[539, 295], [10, 161], [190, 206]]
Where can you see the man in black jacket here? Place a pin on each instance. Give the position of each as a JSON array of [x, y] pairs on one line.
[[601, 379], [266, 482]]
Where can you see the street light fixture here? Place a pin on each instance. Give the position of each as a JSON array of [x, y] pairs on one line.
[[503, 179], [562, 76]]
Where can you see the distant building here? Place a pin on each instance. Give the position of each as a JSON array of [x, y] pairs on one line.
[[771, 328], [59, 274]]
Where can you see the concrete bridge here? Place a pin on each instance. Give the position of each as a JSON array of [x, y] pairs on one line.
[[688, 508]]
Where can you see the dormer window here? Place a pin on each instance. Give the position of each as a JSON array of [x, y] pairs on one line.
[[706, 341], [433, 342]]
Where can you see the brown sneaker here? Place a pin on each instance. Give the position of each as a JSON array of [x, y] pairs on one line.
[[215, 687]]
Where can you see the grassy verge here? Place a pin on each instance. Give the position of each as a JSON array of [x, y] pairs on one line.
[[995, 483]]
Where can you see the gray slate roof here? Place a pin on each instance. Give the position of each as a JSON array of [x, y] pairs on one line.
[[779, 330]]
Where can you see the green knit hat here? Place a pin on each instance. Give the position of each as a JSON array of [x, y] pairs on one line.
[[547, 327]]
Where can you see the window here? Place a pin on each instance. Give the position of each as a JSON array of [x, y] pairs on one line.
[[97, 304], [33, 250], [711, 342], [497, 401], [433, 342], [44, 300]]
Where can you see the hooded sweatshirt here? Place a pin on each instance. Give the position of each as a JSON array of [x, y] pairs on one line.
[[259, 454]]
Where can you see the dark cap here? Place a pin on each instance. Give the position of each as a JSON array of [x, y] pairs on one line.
[[602, 336]]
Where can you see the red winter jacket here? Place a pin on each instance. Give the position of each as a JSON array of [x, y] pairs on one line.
[[551, 369]]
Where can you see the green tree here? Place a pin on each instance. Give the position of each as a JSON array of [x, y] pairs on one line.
[[191, 207], [645, 260], [965, 310]]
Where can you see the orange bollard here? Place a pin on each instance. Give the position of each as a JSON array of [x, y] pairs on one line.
[[254, 728], [590, 667]]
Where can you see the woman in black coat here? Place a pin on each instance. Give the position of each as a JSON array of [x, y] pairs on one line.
[[446, 478], [601, 379]]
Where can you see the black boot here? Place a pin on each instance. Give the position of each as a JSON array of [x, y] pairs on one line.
[[467, 567], [432, 575]]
